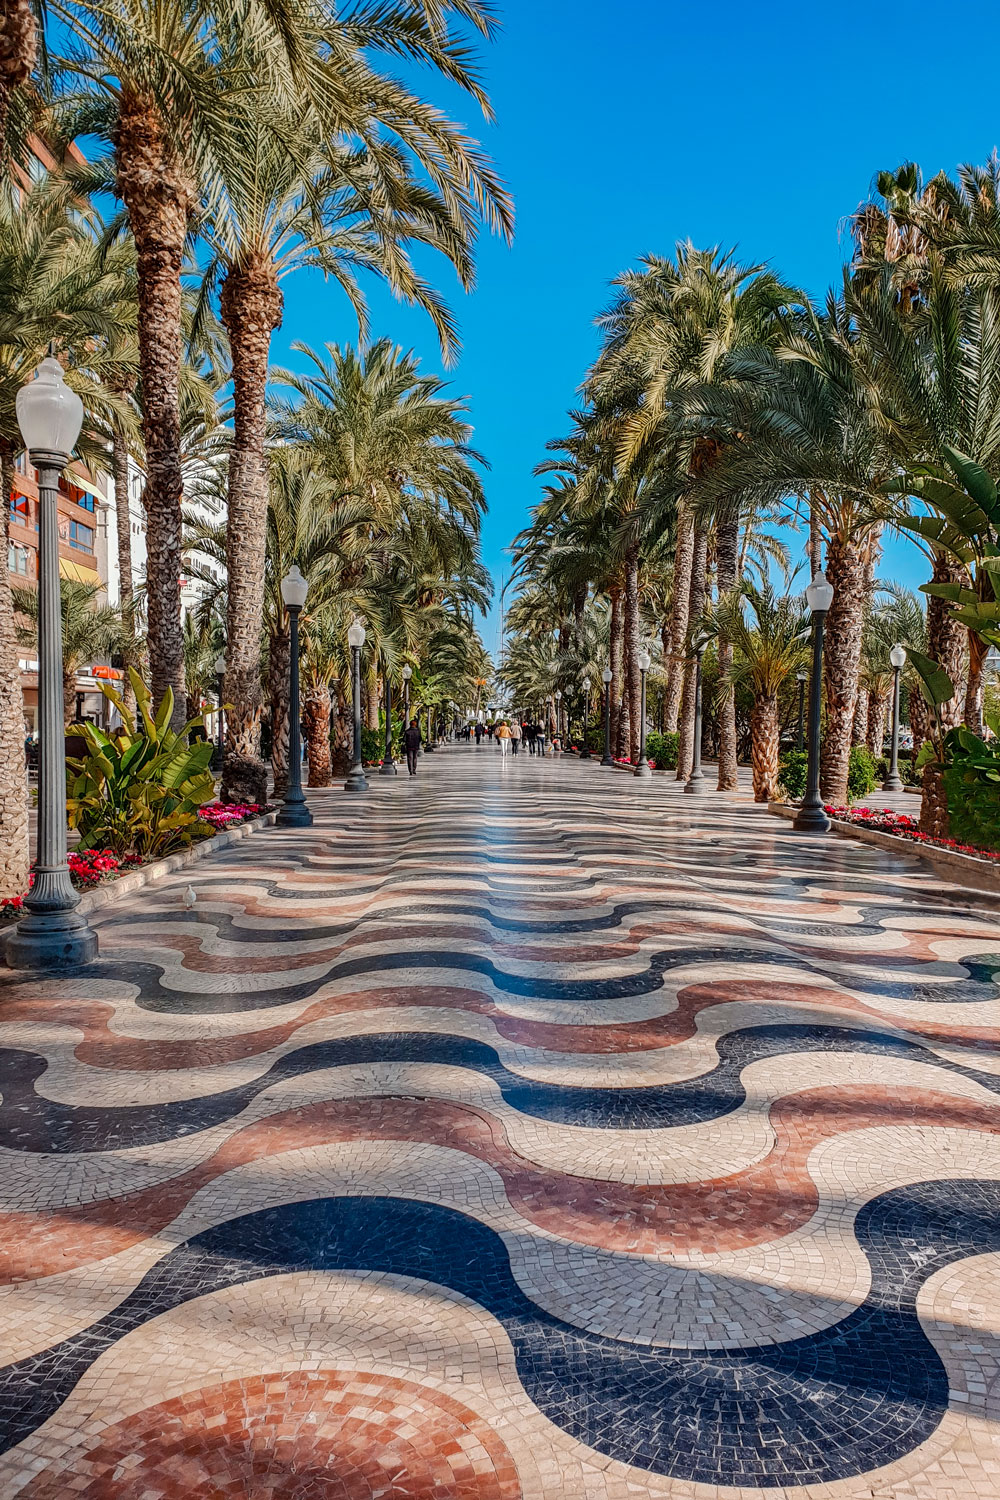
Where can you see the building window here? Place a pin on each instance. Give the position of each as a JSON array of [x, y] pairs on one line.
[[20, 510], [81, 537], [17, 561], [85, 501]]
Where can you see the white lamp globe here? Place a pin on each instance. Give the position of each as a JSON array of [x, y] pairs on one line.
[[819, 594], [606, 676], [586, 684], [407, 672], [294, 588], [49, 414], [356, 635], [558, 694], [220, 666], [897, 657], [644, 660]]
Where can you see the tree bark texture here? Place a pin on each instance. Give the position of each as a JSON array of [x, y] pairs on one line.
[[973, 714], [765, 734], [859, 729], [18, 50], [878, 711], [316, 719], [845, 567], [343, 731], [633, 687], [918, 717], [727, 545], [123, 528], [371, 695], [696, 608], [251, 306], [946, 644], [679, 605], [155, 189], [615, 662], [279, 661], [13, 780]]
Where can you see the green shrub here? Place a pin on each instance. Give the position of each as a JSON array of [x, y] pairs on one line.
[[972, 787], [862, 773], [661, 749], [792, 771], [138, 792]]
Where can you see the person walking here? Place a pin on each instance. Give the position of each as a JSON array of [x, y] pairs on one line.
[[528, 735], [479, 734], [515, 737], [503, 736], [411, 743]]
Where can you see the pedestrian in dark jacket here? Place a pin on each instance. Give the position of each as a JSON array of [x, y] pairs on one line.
[[411, 742]]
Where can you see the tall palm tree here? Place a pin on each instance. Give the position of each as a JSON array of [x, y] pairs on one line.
[[90, 629], [769, 634]]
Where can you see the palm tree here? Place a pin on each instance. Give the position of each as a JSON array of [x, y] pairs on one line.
[[770, 647], [171, 83], [90, 630]]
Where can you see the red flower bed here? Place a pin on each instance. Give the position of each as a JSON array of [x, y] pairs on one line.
[[884, 820], [225, 814]]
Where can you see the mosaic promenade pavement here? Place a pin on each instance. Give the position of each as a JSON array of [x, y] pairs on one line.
[[516, 1133]]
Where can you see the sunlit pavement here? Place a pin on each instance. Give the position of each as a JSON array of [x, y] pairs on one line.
[[519, 1130]]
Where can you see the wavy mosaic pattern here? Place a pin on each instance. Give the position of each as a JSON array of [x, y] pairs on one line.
[[474, 1146]]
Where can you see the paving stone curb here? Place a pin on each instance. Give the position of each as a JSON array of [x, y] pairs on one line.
[[961, 869], [127, 885]]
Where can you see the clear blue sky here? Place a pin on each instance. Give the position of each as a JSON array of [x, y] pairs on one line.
[[622, 128]]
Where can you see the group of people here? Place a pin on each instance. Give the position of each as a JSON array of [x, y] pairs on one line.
[[515, 733]]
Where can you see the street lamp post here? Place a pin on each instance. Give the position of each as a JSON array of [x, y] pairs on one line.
[[801, 677], [810, 817], [642, 770], [53, 935], [585, 752], [388, 764], [607, 759], [356, 781], [897, 660], [697, 776], [220, 676], [293, 812], [558, 698], [430, 745], [407, 674]]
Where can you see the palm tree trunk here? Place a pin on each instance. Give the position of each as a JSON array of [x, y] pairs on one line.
[[679, 606], [859, 729], [633, 631], [978, 649], [18, 50], [619, 705], [696, 607], [765, 735], [343, 733], [123, 526], [251, 305], [845, 567], [946, 639], [878, 708], [814, 549], [13, 780], [371, 716], [279, 661], [157, 195], [727, 546], [316, 717]]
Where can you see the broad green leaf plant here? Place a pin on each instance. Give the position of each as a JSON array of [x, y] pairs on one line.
[[138, 791]]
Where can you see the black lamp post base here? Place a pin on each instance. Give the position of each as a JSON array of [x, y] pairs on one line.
[[293, 815], [810, 819], [643, 772], [428, 747], [356, 782], [695, 782], [892, 784], [389, 768], [59, 940], [606, 760]]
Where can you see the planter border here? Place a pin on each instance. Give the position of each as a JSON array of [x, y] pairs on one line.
[[966, 870], [135, 880]]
